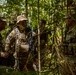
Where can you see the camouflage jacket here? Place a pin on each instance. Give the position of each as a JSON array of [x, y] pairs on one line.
[[19, 37]]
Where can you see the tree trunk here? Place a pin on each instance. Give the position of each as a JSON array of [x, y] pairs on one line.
[[26, 8], [39, 42]]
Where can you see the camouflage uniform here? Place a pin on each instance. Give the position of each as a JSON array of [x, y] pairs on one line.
[[18, 37], [71, 39], [70, 43], [71, 34], [21, 34]]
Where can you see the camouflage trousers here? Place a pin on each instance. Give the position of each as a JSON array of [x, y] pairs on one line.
[[25, 61]]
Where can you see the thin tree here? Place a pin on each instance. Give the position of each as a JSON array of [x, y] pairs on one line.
[[26, 8], [39, 42]]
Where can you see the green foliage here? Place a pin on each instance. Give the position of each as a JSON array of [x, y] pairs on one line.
[[9, 71], [53, 11]]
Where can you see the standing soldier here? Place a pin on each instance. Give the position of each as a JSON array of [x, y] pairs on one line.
[[43, 39], [2, 53], [71, 34], [20, 33], [44, 32]]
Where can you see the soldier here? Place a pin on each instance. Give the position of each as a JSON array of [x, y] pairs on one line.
[[2, 26], [71, 33], [3, 54], [44, 32], [20, 33], [43, 39]]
